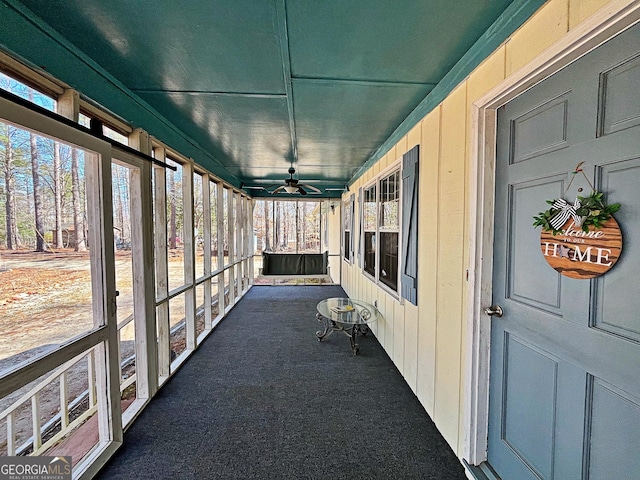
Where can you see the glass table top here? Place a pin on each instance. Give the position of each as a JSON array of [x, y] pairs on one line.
[[348, 311]]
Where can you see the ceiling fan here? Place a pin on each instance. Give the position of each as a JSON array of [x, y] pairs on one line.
[[292, 185]]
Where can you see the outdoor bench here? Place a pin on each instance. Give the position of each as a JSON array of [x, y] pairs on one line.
[[295, 265]]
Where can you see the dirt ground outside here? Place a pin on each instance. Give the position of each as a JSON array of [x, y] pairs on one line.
[[45, 300]]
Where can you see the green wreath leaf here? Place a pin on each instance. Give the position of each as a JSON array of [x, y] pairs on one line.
[[592, 209]]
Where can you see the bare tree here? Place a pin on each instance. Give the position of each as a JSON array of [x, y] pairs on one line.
[[78, 224], [37, 188], [57, 190], [277, 225], [118, 204], [37, 191], [214, 223], [12, 238], [267, 241], [172, 212], [302, 222], [198, 207]]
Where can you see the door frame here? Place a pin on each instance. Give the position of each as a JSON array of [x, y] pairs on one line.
[[609, 21], [100, 337]]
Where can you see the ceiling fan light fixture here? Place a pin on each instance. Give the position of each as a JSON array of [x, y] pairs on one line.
[[290, 189]]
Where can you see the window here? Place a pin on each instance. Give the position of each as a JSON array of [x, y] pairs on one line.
[[175, 224], [225, 225], [213, 202], [46, 195], [324, 222], [22, 90], [389, 229], [84, 120], [347, 228], [381, 227], [198, 222], [369, 216], [107, 131]]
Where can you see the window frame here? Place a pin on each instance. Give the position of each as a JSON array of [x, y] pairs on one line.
[[366, 229], [376, 182], [348, 205]]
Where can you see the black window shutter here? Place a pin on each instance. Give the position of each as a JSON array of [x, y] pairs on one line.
[[409, 278]]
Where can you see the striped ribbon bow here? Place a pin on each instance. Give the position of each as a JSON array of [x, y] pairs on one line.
[[565, 210]]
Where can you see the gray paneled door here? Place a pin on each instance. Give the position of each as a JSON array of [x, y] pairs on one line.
[[565, 357]]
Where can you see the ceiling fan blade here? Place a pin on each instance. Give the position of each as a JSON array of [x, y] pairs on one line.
[[310, 187], [293, 186]]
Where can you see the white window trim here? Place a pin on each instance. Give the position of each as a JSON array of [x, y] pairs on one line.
[[372, 278], [349, 203]]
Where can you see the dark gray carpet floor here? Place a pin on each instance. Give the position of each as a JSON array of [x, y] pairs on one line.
[[263, 399]]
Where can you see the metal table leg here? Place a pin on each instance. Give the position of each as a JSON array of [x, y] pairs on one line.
[[328, 327]]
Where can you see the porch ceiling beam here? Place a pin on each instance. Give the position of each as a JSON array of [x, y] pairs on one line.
[[281, 14]]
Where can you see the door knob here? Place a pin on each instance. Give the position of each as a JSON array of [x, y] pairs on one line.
[[494, 311]]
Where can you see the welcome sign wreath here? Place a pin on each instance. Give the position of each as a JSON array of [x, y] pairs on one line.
[[580, 240]]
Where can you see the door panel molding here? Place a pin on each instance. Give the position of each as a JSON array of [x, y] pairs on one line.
[[614, 116], [522, 195], [608, 409], [606, 23], [520, 357], [550, 120], [618, 178]]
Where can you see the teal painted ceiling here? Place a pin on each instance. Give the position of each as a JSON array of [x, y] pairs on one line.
[[249, 87]]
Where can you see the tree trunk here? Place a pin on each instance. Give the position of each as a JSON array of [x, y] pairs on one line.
[[37, 193], [302, 221], [37, 188], [57, 190], [284, 221], [118, 214], [172, 212], [267, 241], [276, 227], [78, 225], [9, 182]]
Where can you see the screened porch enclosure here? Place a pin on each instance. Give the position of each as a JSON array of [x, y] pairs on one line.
[[148, 253], [144, 151], [294, 226], [160, 249]]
